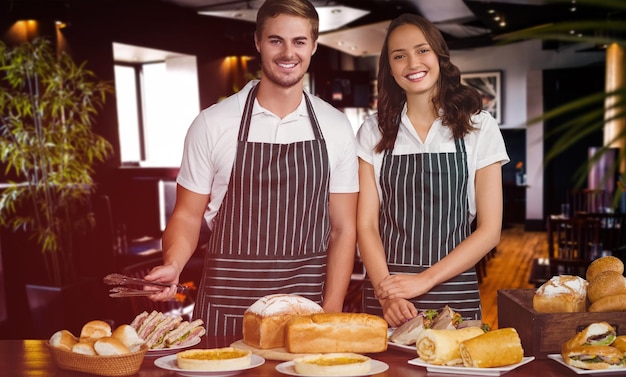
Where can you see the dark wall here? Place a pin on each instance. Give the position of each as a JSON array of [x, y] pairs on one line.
[[560, 87]]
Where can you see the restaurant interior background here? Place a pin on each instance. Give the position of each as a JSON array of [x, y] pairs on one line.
[[121, 38]]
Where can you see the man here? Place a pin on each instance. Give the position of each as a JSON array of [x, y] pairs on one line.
[[278, 170]]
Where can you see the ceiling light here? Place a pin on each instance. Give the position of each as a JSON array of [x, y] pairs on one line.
[[331, 18]]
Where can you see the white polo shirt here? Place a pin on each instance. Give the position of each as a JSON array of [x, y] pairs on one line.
[[484, 146], [211, 144]]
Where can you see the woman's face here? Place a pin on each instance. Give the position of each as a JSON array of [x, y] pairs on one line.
[[414, 65]]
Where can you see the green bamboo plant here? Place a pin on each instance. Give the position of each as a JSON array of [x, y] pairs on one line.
[[47, 107], [596, 32]]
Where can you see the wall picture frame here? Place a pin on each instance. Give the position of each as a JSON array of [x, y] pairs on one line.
[[489, 85]]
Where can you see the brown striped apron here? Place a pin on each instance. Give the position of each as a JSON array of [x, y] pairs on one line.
[[272, 230], [424, 214]]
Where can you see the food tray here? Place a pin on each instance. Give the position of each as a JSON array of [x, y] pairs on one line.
[[122, 365]]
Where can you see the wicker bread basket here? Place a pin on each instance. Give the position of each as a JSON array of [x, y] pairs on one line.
[[122, 365]]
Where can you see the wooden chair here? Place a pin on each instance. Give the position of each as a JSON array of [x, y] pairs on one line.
[[569, 244], [588, 201], [612, 231]]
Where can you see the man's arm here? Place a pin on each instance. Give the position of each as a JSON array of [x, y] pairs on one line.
[[341, 250]]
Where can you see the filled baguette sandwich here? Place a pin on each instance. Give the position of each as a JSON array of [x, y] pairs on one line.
[[594, 357], [408, 332]]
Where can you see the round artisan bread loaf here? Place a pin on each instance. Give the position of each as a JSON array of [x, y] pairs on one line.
[[264, 321], [214, 359], [606, 283], [562, 293], [607, 263], [333, 364]]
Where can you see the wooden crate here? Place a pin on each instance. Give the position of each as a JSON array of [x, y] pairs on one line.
[[544, 333]]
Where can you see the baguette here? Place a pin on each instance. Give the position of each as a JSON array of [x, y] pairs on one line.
[[594, 357], [614, 303], [336, 333], [441, 347], [492, 349]]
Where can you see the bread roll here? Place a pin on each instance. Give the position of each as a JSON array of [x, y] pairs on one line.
[[594, 357], [441, 347], [336, 332], [264, 321], [608, 263], [94, 330], [84, 348], [215, 359], [563, 293], [63, 339], [109, 346], [128, 336], [333, 364], [492, 349], [615, 303], [606, 283]]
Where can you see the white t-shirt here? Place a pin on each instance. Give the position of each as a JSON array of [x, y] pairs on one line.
[[211, 144], [484, 146]]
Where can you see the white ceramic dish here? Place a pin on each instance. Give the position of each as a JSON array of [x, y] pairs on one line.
[[168, 351], [288, 368], [169, 363], [406, 348], [559, 359], [473, 371]]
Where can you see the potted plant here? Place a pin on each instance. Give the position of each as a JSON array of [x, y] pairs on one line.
[[48, 104]]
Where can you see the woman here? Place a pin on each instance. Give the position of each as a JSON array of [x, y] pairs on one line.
[[429, 165]]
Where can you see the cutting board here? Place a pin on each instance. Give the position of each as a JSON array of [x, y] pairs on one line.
[[277, 354]]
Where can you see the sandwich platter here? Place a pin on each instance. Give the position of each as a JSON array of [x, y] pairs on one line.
[[559, 359], [460, 369], [169, 363], [158, 352], [402, 347], [289, 369]]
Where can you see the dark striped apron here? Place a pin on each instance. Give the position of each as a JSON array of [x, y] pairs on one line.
[[424, 215], [272, 230]]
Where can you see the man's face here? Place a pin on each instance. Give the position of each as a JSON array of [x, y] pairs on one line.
[[286, 47]]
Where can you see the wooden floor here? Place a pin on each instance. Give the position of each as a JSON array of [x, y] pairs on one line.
[[510, 266]]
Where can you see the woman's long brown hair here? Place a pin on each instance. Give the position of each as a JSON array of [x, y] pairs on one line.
[[459, 102]]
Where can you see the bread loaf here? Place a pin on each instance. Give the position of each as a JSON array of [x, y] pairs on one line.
[[441, 347], [608, 263], [563, 293], [336, 332], [264, 321], [606, 283], [492, 349]]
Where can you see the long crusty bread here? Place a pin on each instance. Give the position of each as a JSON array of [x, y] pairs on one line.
[[336, 332]]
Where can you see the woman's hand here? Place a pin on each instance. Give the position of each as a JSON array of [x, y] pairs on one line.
[[397, 311], [399, 286]]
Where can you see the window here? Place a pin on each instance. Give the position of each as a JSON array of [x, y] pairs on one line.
[[157, 99]]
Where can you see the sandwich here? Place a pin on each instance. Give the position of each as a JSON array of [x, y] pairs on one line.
[[596, 334], [185, 334], [164, 331], [408, 332], [594, 357]]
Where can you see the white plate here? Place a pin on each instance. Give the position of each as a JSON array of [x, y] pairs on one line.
[[376, 367], [169, 363], [168, 351], [463, 370], [559, 359]]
